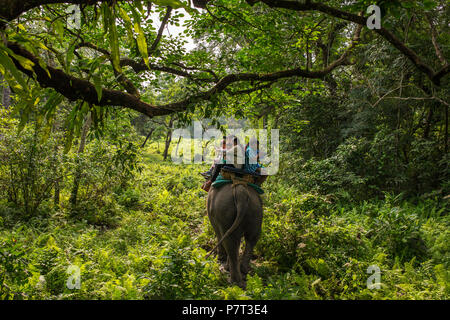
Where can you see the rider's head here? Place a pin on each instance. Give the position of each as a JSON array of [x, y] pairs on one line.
[[232, 140], [254, 143]]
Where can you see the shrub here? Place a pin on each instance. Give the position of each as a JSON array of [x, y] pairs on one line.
[[29, 167], [181, 273]]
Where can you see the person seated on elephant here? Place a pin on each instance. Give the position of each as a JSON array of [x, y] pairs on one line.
[[252, 158], [221, 154], [234, 147]]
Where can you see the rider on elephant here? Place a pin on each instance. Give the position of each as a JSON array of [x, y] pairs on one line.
[[234, 147]]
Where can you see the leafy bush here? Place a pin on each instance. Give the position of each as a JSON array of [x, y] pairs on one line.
[[13, 272], [181, 273], [148, 242], [29, 168]]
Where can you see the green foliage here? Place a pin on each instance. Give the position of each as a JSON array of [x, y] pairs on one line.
[[311, 247], [181, 273], [334, 250], [364, 176], [12, 268], [28, 167]]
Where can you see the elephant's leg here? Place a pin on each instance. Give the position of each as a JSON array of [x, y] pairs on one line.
[[251, 239], [231, 245], [222, 254]]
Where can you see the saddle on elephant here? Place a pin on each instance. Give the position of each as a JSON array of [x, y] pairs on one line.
[[248, 172], [238, 176]]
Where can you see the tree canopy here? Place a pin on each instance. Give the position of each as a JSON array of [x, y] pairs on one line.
[[117, 56]]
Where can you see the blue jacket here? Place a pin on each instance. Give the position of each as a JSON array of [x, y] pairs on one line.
[[251, 155]]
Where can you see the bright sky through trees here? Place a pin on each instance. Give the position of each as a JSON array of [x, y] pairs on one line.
[[173, 29]]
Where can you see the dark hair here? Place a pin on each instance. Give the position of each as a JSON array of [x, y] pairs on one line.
[[254, 140], [251, 142], [234, 138]]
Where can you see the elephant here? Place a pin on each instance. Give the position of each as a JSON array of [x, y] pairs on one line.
[[235, 210]]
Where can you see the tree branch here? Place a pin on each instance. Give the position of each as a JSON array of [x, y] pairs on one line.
[[307, 5], [75, 88], [160, 31], [126, 83], [140, 66], [11, 9], [435, 43], [247, 91]]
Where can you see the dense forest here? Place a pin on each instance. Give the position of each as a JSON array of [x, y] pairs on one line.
[[92, 92]]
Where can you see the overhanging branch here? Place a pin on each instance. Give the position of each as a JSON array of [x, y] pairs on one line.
[[307, 5], [75, 88], [164, 21]]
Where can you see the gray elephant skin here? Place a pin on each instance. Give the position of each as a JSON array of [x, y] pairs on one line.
[[233, 214]]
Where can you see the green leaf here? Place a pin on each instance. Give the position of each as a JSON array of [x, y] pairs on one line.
[[105, 16], [59, 28], [69, 57], [43, 65], [128, 25], [429, 4], [176, 4], [98, 86], [24, 62], [69, 140], [50, 106], [141, 41], [40, 45], [7, 63], [138, 4], [24, 116], [110, 19]]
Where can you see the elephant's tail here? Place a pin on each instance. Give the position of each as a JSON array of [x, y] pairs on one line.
[[240, 214]]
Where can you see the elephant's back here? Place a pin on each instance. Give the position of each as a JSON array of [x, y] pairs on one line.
[[223, 197]]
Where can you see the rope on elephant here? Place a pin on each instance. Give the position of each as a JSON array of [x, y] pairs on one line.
[[237, 180], [226, 177]]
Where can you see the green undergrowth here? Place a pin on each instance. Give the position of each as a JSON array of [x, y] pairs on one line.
[[155, 246]]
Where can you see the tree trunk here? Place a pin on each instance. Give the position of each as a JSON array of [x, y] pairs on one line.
[[446, 130], [166, 147], [168, 139], [6, 98], [56, 198], [148, 136], [78, 170], [178, 144]]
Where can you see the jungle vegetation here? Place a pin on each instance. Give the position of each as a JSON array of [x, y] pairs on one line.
[[92, 92]]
